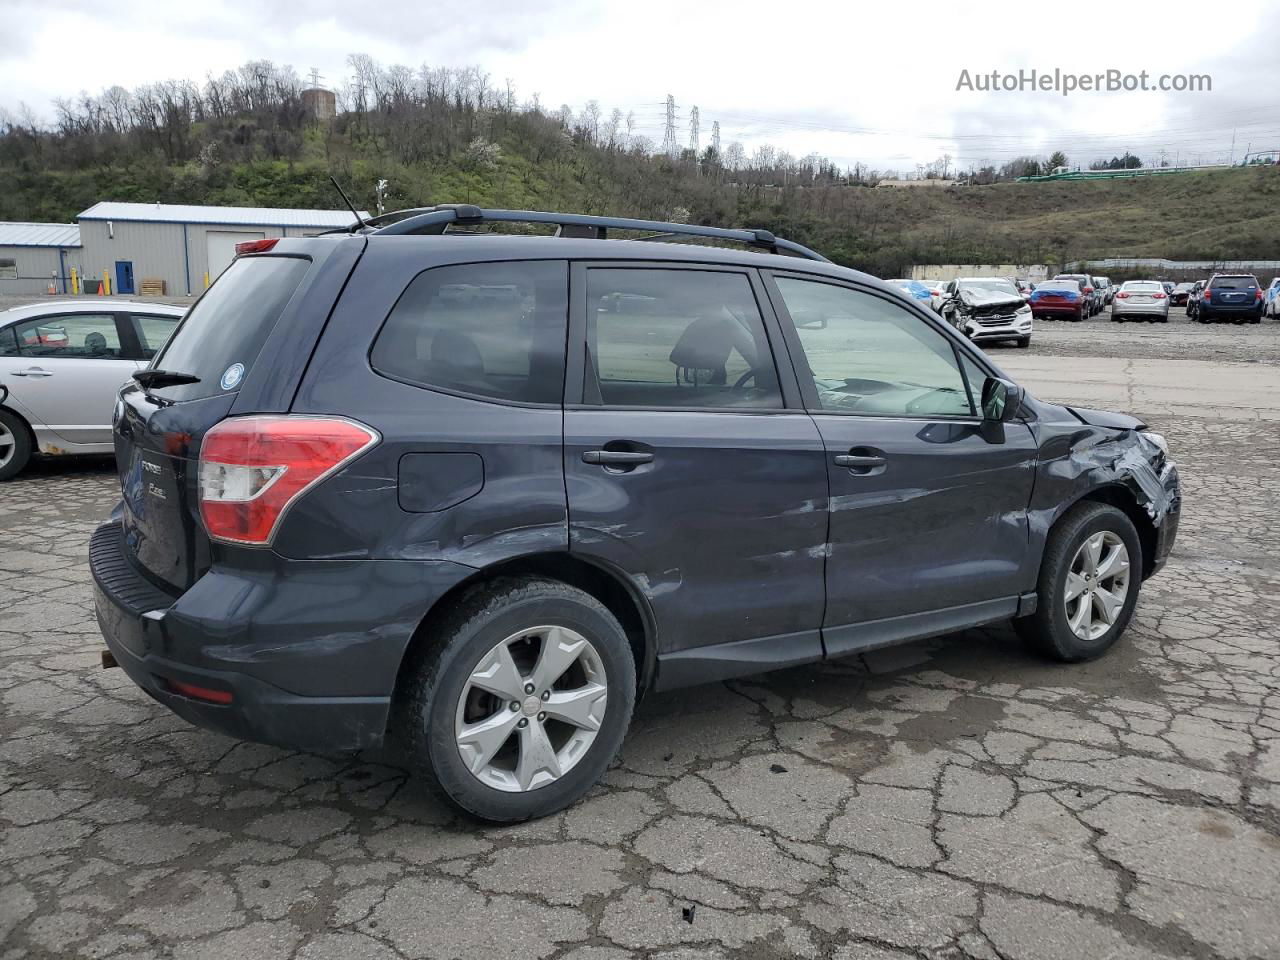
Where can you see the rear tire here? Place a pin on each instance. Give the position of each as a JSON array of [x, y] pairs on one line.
[[442, 699], [1099, 620], [15, 445]]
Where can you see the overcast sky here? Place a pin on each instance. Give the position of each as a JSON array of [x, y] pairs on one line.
[[874, 83]]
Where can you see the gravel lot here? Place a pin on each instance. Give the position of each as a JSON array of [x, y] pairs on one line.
[[953, 798]]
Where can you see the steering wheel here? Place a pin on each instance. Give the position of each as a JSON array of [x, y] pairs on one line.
[[742, 380]]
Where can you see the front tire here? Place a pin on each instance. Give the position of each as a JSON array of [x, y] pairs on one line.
[[1023, 342], [15, 445], [1089, 581], [521, 699]]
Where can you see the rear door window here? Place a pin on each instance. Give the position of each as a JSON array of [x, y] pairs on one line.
[[492, 330], [678, 338], [219, 339], [76, 336]]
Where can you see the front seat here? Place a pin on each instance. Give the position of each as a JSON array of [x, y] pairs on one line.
[[706, 344]]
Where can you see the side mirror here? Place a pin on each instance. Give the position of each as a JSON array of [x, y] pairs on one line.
[[1001, 400]]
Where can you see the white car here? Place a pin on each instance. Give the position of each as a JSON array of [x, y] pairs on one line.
[[61, 363], [988, 308], [1271, 299]]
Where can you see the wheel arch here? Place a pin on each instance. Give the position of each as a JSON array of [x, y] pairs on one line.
[[603, 582], [1125, 499]]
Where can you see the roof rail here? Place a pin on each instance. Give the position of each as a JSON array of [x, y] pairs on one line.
[[428, 220]]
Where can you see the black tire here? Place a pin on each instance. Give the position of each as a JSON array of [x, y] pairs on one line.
[[15, 427], [482, 619], [1047, 631], [1023, 342]]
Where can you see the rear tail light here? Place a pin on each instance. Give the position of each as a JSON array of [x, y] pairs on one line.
[[1158, 296], [1088, 289], [253, 468], [1259, 294], [256, 246], [1122, 296]]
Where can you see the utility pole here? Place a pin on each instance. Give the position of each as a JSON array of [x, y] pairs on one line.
[[693, 132], [1231, 161], [315, 77], [669, 133]]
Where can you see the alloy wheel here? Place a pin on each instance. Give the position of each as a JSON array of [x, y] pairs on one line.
[[8, 444], [1097, 585], [531, 708]]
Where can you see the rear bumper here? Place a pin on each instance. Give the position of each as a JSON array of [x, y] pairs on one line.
[[1231, 309], [1054, 311], [1139, 310], [308, 654]]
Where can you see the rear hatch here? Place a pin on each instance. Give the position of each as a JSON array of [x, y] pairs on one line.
[[1232, 291], [159, 425]]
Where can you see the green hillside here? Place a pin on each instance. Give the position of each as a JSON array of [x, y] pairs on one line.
[[255, 145]]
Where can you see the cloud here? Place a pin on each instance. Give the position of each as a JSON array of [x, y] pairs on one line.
[[870, 83]]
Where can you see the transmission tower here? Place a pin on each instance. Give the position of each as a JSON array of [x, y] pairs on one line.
[[315, 77], [693, 131], [715, 137], [669, 134]]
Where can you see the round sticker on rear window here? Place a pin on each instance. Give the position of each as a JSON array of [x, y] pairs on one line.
[[232, 376]]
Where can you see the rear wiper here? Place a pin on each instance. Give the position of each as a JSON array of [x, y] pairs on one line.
[[164, 378]]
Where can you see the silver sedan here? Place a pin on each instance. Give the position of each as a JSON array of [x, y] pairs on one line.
[[1141, 300], [61, 363]]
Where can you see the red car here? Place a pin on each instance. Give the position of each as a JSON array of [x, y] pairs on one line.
[[1059, 300]]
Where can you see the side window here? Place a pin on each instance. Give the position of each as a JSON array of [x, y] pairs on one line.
[[8, 268], [870, 356], [87, 336], [491, 329], [678, 338], [8, 343], [152, 331], [976, 377]]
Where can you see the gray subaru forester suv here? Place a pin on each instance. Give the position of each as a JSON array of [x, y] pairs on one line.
[[477, 492]]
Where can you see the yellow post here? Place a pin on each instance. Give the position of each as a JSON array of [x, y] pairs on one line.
[[106, 283], [206, 279], [75, 281]]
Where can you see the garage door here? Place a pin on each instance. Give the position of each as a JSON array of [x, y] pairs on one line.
[[222, 248]]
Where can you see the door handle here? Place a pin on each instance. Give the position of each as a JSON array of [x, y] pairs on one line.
[[33, 372], [627, 458], [862, 461]]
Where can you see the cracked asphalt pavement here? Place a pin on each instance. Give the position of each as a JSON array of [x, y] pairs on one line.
[[952, 798]]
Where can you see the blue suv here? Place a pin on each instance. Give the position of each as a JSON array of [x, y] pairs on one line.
[[477, 492]]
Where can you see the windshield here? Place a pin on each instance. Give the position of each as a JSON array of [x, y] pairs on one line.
[[221, 336], [994, 285]]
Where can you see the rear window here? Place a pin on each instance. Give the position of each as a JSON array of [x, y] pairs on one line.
[[493, 330], [1233, 283], [1144, 286], [1058, 286], [219, 340]]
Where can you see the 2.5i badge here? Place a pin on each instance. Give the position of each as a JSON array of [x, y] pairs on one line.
[[232, 376]]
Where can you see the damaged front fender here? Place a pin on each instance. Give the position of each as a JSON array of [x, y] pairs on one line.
[[1111, 458]]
